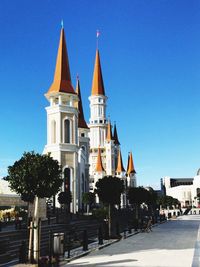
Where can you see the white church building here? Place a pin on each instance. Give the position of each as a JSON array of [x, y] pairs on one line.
[[86, 152]]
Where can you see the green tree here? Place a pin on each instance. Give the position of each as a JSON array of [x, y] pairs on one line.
[[109, 190], [88, 199], [65, 198], [35, 175], [167, 201], [137, 196]]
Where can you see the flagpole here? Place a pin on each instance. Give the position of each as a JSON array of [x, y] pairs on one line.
[[97, 36]]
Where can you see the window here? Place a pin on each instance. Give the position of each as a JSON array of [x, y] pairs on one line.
[[67, 180], [66, 131], [82, 135]]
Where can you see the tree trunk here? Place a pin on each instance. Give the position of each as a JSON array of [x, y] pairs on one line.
[[35, 236], [30, 247], [88, 209], [109, 220]]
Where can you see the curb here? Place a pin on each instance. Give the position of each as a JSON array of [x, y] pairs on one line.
[[99, 247]]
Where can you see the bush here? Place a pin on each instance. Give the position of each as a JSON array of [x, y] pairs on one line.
[[100, 213]]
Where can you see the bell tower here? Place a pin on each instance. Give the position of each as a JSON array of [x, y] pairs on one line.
[[98, 122], [62, 122]]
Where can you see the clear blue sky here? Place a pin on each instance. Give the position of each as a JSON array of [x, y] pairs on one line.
[[150, 55]]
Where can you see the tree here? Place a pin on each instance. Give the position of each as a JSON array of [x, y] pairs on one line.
[[151, 198], [88, 199], [109, 190], [35, 175], [167, 201], [65, 198], [137, 196]]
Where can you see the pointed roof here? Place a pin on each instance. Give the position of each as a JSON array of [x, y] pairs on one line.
[[97, 84], [115, 136], [62, 78], [81, 120], [99, 166], [130, 166], [109, 132], [120, 167]]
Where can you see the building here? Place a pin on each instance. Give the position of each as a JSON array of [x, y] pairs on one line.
[[186, 190], [86, 152], [9, 198]]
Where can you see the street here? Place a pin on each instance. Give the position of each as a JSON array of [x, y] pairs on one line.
[[175, 243]]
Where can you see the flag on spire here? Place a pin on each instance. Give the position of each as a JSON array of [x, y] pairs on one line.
[[62, 24], [98, 33]]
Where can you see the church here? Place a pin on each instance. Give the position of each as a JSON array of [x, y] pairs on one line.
[[86, 151]]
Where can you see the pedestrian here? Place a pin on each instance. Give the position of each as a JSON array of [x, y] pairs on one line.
[[149, 225]]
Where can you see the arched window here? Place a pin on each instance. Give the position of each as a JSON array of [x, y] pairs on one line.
[[66, 131], [67, 179], [53, 132]]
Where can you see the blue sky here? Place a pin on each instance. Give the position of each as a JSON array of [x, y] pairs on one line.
[[150, 55]]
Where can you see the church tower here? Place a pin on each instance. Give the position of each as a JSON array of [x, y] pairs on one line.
[[83, 153], [116, 144], [62, 122], [110, 150], [121, 173], [98, 122], [99, 171], [131, 178]]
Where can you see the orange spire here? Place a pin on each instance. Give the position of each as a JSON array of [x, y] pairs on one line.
[[130, 167], [99, 166], [115, 136], [120, 167], [81, 119], [97, 84], [109, 132], [62, 77]]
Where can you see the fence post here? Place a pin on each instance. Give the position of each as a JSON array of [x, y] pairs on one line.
[[22, 252], [100, 236], [68, 245], [50, 248], [117, 229], [85, 240], [124, 233]]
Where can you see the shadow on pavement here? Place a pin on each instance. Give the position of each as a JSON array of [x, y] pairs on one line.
[[87, 263]]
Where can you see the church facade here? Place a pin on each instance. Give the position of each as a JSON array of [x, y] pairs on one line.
[[86, 152]]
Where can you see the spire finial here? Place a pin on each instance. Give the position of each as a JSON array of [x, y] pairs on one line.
[[77, 77], [62, 24], [98, 33]]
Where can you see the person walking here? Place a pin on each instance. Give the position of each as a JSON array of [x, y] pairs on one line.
[[149, 225]]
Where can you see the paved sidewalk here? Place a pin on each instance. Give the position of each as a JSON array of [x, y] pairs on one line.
[[78, 252], [173, 244]]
